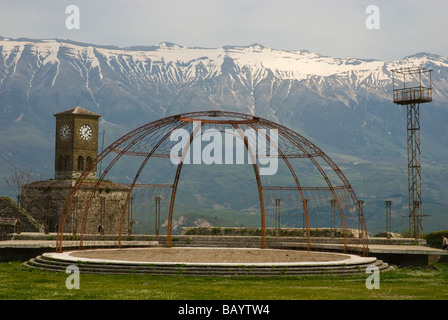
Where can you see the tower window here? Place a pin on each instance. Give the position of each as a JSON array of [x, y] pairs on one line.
[[88, 161], [67, 163], [80, 163], [61, 163]]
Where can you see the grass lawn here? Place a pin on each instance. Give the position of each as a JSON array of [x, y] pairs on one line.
[[18, 282]]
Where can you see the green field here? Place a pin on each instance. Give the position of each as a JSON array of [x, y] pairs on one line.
[[18, 282]]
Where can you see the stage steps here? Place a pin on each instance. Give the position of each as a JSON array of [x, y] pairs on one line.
[[50, 264]]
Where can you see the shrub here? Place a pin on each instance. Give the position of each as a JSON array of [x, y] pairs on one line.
[[434, 239]]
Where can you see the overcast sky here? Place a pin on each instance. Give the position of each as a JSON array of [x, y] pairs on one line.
[[333, 28]]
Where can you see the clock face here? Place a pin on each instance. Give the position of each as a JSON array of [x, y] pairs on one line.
[[85, 132], [65, 132]]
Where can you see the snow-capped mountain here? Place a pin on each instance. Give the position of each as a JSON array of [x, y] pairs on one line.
[[156, 79], [343, 104]]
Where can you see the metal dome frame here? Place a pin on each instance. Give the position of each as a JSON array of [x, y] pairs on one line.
[[150, 140]]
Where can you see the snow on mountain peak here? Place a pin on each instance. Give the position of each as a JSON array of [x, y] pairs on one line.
[[191, 62]]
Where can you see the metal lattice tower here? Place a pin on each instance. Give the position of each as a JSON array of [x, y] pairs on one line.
[[411, 87]]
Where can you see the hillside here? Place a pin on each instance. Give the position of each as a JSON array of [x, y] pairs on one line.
[[343, 105]]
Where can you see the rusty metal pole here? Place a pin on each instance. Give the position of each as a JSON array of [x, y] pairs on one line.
[[299, 187], [259, 185], [277, 213], [157, 214], [290, 135], [333, 217], [137, 175], [136, 136], [388, 221], [361, 208], [176, 182]]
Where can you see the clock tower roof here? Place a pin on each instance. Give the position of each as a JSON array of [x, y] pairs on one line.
[[78, 111]]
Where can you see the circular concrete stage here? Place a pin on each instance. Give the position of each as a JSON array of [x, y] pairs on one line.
[[206, 261]]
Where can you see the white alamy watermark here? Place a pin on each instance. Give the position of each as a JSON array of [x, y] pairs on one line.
[[373, 20], [233, 146], [72, 281], [73, 20], [373, 281]]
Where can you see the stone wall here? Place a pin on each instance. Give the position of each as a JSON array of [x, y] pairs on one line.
[[45, 200], [9, 209]]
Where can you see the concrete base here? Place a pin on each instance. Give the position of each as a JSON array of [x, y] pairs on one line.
[[406, 255], [402, 252], [210, 262], [22, 250]]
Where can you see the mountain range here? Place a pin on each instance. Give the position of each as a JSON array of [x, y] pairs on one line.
[[343, 105]]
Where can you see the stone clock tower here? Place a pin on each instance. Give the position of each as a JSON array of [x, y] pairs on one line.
[[76, 148], [76, 143]]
